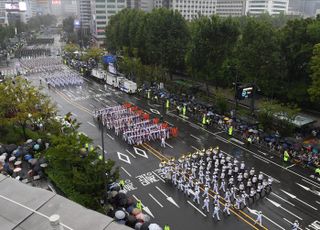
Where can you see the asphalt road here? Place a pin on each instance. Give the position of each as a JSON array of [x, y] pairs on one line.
[[295, 195]]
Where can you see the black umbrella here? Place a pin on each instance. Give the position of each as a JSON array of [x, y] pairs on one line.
[[145, 226], [131, 221], [120, 199], [2, 149], [10, 148]]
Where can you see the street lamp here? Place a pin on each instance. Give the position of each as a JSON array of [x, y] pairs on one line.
[[103, 159]]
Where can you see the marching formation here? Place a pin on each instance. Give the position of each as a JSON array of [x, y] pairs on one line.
[[42, 64], [63, 79], [210, 172], [135, 126]]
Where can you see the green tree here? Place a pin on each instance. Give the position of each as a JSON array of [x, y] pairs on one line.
[[71, 48], [93, 52], [212, 40], [314, 88], [23, 105], [80, 174], [259, 58], [67, 25]]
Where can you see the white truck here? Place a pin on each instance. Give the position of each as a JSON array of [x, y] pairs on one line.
[[121, 83], [98, 73]]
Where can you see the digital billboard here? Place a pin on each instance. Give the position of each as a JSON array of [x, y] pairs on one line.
[[16, 6]]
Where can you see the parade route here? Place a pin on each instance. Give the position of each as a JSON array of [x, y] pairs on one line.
[[294, 193]]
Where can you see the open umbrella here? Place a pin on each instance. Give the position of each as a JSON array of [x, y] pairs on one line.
[[33, 161], [10, 148], [36, 147], [120, 199], [120, 215], [131, 221], [154, 226]]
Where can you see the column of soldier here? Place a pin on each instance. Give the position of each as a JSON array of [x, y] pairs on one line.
[[63, 79], [135, 127], [211, 170], [43, 64]]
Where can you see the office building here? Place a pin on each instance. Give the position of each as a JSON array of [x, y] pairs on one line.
[[272, 7], [101, 12], [234, 8]]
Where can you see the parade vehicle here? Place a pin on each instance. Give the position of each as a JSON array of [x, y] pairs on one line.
[[98, 73]]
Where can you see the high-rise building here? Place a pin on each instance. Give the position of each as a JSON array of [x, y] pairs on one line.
[[145, 5], [101, 12], [234, 8], [189, 9], [84, 13], [2, 12], [69, 7], [272, 7]]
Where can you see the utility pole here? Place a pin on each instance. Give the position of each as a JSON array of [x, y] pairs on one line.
[[104, 161]]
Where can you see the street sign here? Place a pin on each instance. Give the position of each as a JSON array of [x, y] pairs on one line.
[[244, 92]]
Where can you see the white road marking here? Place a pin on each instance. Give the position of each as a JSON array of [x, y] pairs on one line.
[[274, 179], [111, 137], [290, 223], [126, 171], [259, 158], [124, 158], [169, 123], [309, 189], [146, 111], [236, 140], [222, 139], [92, 106], [290, 166], [91, 124], [74, 114], [219, 132], [294, 197], [195, 148], [318, 202], [156, 200], [169, 145], [197, 209], [145, 208], [313, 184], [137, 98], [262, 153], [197, 138], [265, 217], [170, 199], [226, 153], [140, 152], [279, 206], [158, 177], [130, 153], [282, 199], [199, 127], [155, 111]]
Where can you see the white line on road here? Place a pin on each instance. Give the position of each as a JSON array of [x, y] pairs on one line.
[[236, 140], [137, 98], [195, 148], [156, 200], [126, 171], [260, 159], [130, 153], [158, 177], [221, 139], [111, 137], [91, 124], [318, 202], [262, 153], [290, 166], [162, 192], [169, 145], [276, 224], [197, 138], [282, 198], [290, 223], [227, 154], [169, 123], [92, 106], [197, 209], [74, 114], [311, 183], [279, 206], [295, 197], [271, 177], [219, 132]]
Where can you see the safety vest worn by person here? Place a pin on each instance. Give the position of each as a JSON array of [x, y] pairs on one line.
[[230, 130], [166, 227], [285, 156], [167, 104], [86, 146], [139, 205], [184, 110], [317, 171], [204, 119], [121, 183]]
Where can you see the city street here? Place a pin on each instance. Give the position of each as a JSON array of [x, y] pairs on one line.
[[295, 195]]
